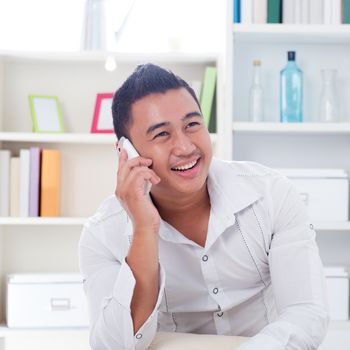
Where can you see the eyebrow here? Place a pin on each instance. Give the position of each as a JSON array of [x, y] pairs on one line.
[[159, 125]]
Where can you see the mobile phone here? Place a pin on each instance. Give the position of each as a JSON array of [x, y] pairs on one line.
[[132, 153]]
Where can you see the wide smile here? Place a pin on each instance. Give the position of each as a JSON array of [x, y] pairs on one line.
[[189, 169]]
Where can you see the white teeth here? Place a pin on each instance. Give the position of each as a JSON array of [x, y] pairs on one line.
[[187, 166]]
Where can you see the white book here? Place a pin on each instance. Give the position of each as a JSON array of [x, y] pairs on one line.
[[24, 175], [327, 11], [316, 11], [5, 156], [247, 11], [297, 11], [336, 12], [14, 186], [260, 11], [196, 85], [288, 12], [305, 11]]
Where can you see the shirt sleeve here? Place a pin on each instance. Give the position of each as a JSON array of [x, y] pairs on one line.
[[109, 285], [296, 275]]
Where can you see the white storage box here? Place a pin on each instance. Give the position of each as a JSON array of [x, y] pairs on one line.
[[337, 280], [46, 300], [324, 191]]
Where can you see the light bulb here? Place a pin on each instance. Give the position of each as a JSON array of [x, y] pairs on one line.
[[110, 64]]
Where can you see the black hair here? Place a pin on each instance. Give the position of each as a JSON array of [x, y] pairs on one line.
[[145, 80]]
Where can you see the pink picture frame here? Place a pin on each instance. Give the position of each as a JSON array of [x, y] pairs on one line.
[[102, 122]]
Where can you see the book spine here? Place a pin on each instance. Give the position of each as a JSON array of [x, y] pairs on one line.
[[305, 11], [346, 11], [316, 11], [327, 11], [50, 183], [24, 173], [5, 156], [208, 93], [260, 11], [274, 11], [336, 11], [34, 182], [236, 11], [14, 186], [297, 11], [288, 12], [247, 11]]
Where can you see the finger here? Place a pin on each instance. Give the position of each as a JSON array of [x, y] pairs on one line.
[[128, 165]]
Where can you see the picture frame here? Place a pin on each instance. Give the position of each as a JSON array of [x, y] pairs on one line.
[[46, 114], [102, 120]]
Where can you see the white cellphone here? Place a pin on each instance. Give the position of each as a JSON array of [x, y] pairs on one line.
[[132, 153]]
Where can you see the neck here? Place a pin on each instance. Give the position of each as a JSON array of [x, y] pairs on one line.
[[182, 205]]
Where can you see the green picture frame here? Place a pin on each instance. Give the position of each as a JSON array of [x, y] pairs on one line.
[[46, 114]]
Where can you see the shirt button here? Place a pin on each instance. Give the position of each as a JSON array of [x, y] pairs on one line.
[[138, 336], [220, 314], [311, 226], [215, 291], [205, 257]]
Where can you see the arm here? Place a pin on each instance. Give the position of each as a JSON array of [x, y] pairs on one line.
[[296, 277], [124, 295]]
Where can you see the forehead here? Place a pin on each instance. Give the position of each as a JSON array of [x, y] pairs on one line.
[[158, 107]]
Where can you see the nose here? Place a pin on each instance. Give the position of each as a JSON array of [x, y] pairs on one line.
[[182, 144]]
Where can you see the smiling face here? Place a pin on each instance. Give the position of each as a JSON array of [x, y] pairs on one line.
[[169, 128]]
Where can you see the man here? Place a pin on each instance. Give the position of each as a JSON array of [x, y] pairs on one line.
[[217, 248]]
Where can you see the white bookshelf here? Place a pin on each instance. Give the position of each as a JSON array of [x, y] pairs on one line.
[[88, 161]]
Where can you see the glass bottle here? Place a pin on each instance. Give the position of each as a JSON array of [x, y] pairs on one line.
[[291, 91], [256, 106], [329, 108]]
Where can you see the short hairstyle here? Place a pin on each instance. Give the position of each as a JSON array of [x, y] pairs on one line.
[[145, 80]]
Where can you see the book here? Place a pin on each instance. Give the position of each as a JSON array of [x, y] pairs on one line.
[[50, 183], [336, 12], [288, 12], [5, 157], [259, 11], [247, 11], [274, 11], [196, 86], [14, 186], [316, 12], [24, 163], [34, 181], [297, 11], [236, 11], [346, 11], [305, 11], [208, 94]]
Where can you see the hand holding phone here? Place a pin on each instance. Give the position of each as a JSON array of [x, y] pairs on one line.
[[124, 143]]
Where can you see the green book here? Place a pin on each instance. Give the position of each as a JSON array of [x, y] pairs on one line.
[[208, 94], [274, 11], [346, 11]]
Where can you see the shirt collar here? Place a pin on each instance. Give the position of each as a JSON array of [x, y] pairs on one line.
[[229, 193]]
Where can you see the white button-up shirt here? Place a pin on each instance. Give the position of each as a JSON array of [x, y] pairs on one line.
[[259, 274]]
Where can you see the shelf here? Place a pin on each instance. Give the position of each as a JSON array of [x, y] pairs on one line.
[[284, 33], [5, 331], [332, 226], [107, 139], [292, 128], [39, 221], [120, 57]]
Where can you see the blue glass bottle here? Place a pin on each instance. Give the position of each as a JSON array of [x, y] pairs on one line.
[[291, 91]]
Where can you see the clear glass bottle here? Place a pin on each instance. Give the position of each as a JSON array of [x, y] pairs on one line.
[[329, 107], [291, 91], [256, 105]]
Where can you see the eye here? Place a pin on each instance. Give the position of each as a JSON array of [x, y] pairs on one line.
[[192, 124], [163, 133]]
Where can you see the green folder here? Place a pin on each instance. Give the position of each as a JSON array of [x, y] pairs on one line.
[[274, 11], [346, 11], [208, 95]]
